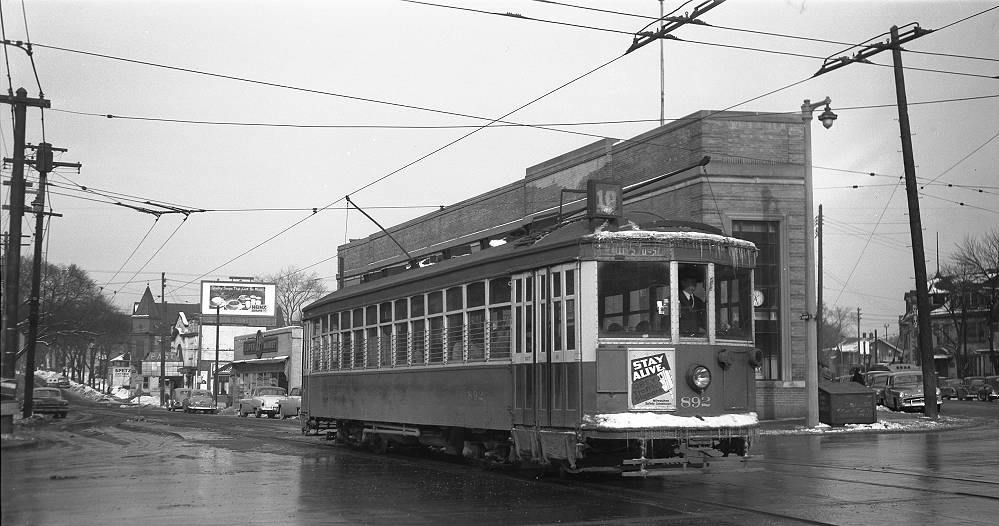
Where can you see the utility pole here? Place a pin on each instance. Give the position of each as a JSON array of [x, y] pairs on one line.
[[925, 342], [859, 358], [662, 70], [12, 270], [916, 234], [163, 344], [43, 164], [818, 288]]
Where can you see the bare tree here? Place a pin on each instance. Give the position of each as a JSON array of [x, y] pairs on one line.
[[980, 256], [835, 323], [295, 289]]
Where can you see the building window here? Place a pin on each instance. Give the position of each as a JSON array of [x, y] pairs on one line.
[[766, 236]]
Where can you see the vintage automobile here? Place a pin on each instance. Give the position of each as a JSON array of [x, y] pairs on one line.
[[49, 400], [952, 389], [61, 382], [176, 400], [291, 405], [989, 391], [973, 384], [262, 401], [877, 380], [199, 401], [904, 391]]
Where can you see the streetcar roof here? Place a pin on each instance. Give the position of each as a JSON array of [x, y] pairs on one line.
[[564, 243]]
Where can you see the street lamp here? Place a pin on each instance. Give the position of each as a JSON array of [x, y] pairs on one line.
[[811, 322]]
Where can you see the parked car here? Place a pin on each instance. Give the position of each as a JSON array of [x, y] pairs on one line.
[[49, 400], [61, 382], [199, 401], [262, 401], [973, 384], [952, 389], [176, 400], [8, 388], [904, 391], [291, 405], [989, 391], [877, 380]]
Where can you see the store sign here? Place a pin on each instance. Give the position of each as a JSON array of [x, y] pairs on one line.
[[237, 298], [260, 346], [652, 382]]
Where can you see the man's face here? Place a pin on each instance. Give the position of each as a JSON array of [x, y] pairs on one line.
[[688, 285]]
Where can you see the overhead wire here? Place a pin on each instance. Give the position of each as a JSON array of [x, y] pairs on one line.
[[148, 261], [129, 258]]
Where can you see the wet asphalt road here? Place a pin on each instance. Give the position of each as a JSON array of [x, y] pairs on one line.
[[118, 466]]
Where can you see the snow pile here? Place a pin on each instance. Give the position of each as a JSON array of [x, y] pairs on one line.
[[660, 420], [883, 425]]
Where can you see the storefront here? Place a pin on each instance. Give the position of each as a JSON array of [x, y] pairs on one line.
[[266, 358]]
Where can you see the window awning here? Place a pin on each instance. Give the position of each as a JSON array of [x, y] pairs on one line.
[[259, 361]]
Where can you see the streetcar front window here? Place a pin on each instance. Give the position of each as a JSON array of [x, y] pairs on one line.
[[733, 303], [692, 300], [634, 298]]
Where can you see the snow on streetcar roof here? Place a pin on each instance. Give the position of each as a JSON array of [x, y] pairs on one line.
[[660, 420], [658, 235]]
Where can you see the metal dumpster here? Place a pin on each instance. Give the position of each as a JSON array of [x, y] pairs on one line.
[[846, 403]]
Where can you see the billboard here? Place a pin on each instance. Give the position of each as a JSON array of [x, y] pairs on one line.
[[238, 298]]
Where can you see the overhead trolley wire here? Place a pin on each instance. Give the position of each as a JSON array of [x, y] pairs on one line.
[[419, 159]]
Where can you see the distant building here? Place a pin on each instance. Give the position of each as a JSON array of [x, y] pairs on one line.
[[149, 337], [959, 325], [266, 358]]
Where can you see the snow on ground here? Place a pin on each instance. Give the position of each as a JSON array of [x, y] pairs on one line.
[[885, 423], [118, 394]]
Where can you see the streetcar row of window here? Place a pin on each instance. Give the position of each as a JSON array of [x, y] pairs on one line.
[[477, 322]]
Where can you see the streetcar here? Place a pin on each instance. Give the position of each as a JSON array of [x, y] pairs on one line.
[[593, 344]]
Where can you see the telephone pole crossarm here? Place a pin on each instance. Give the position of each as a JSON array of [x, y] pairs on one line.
[[869, 50], [643, 37]]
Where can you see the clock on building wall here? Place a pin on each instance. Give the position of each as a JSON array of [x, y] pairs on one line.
[[757, 297]]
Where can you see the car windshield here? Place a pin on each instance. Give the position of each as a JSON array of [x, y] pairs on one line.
[[879, 381], [908, 380], [47, 393], [271, 391]]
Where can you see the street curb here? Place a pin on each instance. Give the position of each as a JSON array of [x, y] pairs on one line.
[[796, 427]]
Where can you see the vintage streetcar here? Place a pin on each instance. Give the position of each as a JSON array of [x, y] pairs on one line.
[[590, 345]]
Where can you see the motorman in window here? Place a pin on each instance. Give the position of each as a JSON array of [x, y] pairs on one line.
[[692, 309]]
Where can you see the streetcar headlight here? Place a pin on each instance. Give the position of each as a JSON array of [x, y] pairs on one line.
[[699, 377]]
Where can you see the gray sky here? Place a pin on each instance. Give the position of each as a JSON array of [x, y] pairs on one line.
[[475, 64]]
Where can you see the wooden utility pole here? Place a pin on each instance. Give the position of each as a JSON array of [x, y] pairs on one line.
[[860, 359], [43, 164], [164, 336], [12, 270], [916, 234], [925, 342], [818, 287]]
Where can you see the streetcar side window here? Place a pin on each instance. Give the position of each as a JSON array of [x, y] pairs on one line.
[[692, 299], [733, 298], [633, 299], [436, 337]]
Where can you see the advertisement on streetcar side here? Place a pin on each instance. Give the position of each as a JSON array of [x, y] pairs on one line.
[[653, 379]]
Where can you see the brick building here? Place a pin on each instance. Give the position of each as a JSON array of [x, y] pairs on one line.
[[753, 188]]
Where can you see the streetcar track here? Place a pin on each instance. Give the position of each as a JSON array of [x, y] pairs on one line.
[[887, 485], [884, 471]]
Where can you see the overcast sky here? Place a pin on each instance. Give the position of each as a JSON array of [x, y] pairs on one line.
[[320, 59]]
